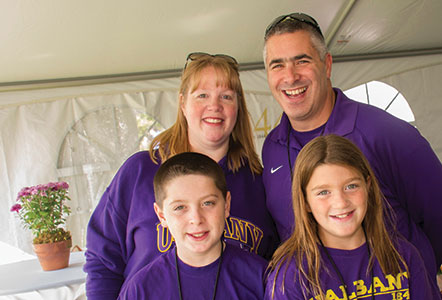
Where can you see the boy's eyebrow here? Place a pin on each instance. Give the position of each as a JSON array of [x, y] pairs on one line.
[[294, 58], [176, 201], [199, 199]]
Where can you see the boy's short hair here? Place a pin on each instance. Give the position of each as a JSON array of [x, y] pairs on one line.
[[187, 163]]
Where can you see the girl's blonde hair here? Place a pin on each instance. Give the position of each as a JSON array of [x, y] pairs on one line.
[[241, 145], [302, 246]]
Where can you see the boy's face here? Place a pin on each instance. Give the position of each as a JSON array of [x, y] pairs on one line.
[[194, 210]]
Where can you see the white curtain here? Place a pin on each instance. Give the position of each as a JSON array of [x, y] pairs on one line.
[[82, 135]]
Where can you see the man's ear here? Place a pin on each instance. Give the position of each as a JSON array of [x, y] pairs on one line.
[[160, 215], [227, 204], [328, 64]]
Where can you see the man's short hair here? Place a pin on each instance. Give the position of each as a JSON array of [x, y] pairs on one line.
[[290, 25]]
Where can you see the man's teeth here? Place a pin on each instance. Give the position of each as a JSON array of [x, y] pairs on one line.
[[210, 120], [342, 216], [295, 92]]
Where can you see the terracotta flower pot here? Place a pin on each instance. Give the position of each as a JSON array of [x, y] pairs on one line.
[[53, 256]]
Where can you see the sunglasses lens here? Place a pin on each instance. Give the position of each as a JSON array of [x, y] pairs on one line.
[[198, 55], [297, 17]]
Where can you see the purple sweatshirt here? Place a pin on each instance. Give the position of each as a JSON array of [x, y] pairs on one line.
[[124, 233], [352, 265], [404, 163], [241, 277]]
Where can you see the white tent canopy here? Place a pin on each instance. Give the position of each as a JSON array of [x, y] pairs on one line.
[[84, 84]]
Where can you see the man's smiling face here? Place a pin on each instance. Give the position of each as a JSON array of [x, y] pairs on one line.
[[299, 79]]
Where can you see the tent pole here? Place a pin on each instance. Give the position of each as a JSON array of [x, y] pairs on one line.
[[338, 20], [113, 78]]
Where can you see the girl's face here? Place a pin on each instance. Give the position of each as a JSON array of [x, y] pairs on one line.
[[337, 197], [211, 112]]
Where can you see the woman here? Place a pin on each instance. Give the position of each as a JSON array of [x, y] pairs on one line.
[[124, 233], [340, 248]]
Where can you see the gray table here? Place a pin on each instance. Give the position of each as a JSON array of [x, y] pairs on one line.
[[26, 276]]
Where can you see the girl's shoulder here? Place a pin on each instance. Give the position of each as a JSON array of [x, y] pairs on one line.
[[283, 283]]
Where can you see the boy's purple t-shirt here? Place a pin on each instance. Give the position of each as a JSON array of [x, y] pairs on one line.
[[353, 266], [241, 277], [124, 233]]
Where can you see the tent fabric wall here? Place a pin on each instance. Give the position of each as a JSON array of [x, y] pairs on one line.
[[424, 89], [418, 78], [35, 124]]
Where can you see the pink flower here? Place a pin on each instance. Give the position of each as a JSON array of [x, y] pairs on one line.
[[34, 190], [52, 185], [16, 208], [63, 185], [42, 208], [24, 192]]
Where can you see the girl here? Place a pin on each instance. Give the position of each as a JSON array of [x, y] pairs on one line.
[[340, 248]]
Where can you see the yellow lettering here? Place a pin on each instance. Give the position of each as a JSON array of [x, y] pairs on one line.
[[331, 295], [265, 127], [239, 230], [361, 289], [164, 238], [378, 284], [243, 231], [278, 120], [352, 295], [227, 231], [257, 237], [405, 274], [395, 283]]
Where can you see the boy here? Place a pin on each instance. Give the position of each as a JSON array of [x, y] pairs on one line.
[[192, 201]]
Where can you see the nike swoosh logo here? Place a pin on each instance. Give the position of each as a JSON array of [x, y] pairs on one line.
[[274, 170]]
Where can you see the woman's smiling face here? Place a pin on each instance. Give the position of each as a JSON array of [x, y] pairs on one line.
[[211, 111]]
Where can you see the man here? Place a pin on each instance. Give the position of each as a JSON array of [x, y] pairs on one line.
[[298, 71]]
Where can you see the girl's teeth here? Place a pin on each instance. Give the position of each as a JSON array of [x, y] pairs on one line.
[[342, 216]]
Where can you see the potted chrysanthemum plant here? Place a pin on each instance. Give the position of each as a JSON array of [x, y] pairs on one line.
[[43, 210]]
